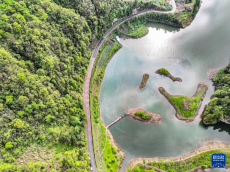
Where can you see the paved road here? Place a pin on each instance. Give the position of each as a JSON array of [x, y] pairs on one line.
[[88, 76]]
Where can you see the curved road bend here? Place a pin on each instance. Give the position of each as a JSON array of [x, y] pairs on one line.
[[88, 76]]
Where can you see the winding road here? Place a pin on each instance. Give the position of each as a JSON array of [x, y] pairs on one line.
[[88, 76]]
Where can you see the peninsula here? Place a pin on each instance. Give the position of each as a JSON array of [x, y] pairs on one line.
[[144, 116], [187, 108], [166, 73]]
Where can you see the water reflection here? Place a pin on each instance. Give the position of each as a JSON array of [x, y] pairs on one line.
[[220, 127], [163, 27]]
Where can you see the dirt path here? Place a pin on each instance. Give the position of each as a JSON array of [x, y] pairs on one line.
[[213, 145]]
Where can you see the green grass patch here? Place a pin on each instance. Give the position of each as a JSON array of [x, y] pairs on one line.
[[138, 31], [181, 101], [140, 168], [143, 115], [163, 71]]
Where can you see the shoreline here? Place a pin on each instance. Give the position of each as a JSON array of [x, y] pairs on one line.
[[211, 145], [156, 118], [112, 141], [108, 134], [212, 73], [199, 104], [125, 36]]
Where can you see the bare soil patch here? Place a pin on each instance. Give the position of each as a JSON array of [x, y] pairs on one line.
[[186, 104]]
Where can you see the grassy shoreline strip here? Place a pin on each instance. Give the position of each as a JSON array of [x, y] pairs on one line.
[[197, 159], [138, 31], [108, 157]]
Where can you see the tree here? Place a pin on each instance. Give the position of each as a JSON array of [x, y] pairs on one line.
[[18, 124], [9, 99], [17, 27], [23, 101]]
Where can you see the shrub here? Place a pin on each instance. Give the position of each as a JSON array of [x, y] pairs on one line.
[[163, 71], [203, 167], [142, 114], [8, 145], [18, 124]]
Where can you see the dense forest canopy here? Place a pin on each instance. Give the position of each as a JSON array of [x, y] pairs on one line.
[[43, 60], [100, 14], [218, 107]]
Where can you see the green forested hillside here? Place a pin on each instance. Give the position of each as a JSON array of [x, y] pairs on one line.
[[43, 60], [218, 107], [44, 54], [100, 14]]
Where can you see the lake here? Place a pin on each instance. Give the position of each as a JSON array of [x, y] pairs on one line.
[[186, 53]]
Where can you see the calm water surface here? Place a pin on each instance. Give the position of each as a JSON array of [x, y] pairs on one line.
[[187, 53]]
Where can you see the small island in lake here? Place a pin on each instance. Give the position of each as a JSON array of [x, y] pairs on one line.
[[144, 116], [166, 73], [187, 108], [144, 80]]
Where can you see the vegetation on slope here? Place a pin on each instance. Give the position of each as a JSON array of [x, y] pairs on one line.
[[202, 160], [43, 61], [100, 14], [141, 168], [108, 158], [218, 107]]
